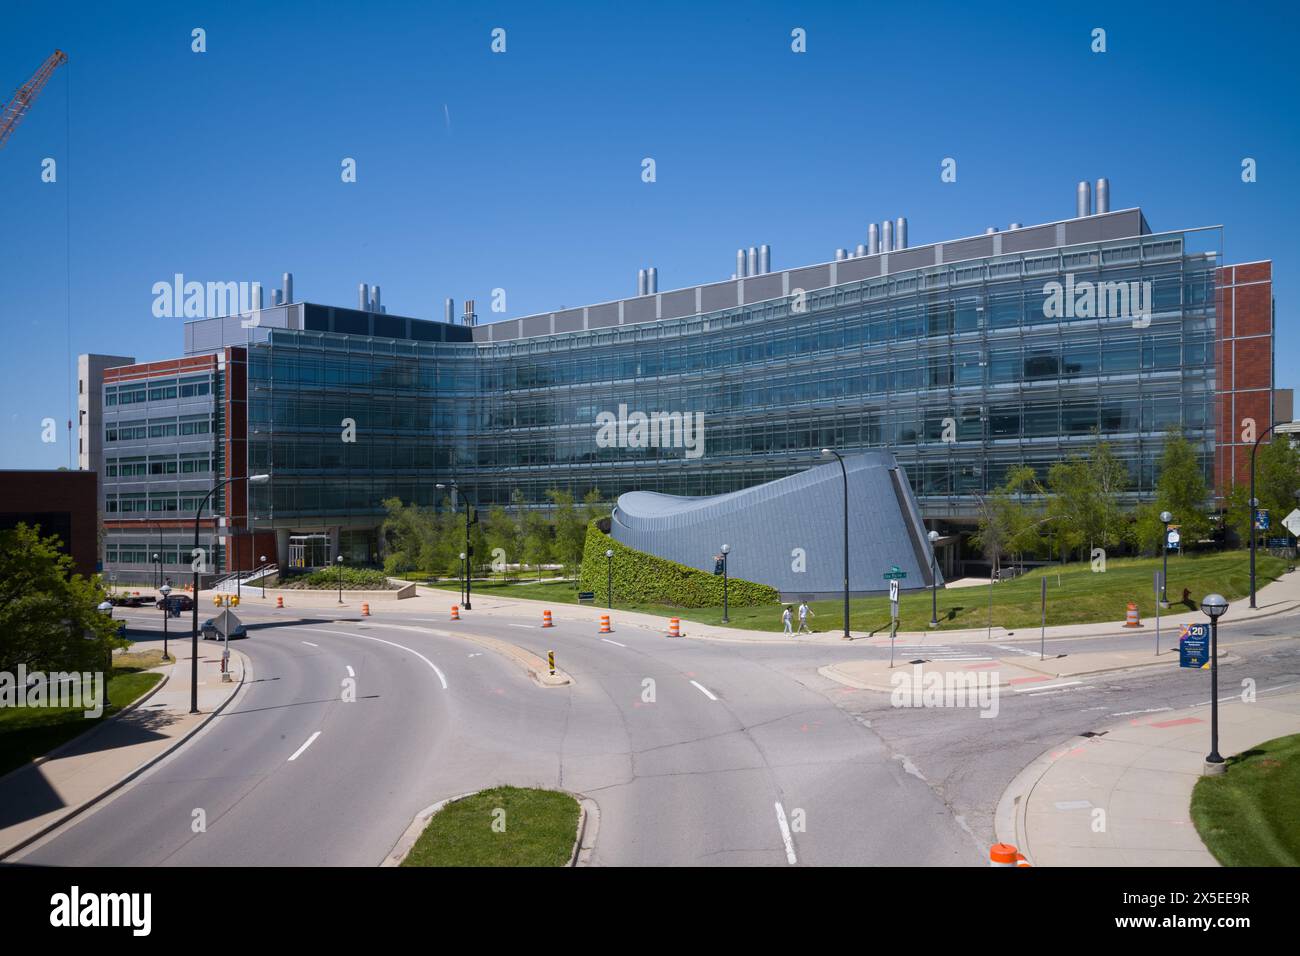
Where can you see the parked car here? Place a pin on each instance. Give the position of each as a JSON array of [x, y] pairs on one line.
[[179, 602], [210, 632]]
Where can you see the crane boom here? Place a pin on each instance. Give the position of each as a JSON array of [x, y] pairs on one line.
[[26, 95]]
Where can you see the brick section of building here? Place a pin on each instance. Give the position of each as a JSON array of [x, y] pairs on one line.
[[129, 373], [61, 503], [1244, 367]]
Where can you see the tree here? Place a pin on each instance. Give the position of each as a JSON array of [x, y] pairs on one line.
[[537, 540], [500, 535], [1236, 514], [49, 617], [1087, 499], [570, 530], [1277, 477], [1181, 488]]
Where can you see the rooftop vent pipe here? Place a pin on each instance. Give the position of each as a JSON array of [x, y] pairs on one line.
[[886, 236], [764, 259], [1082, 199], [752, 263], [1103, 196], [841, 255], [990, 230], [860, 251], [740, 264], [449, 311], [640, 282], [469, 318], [1015, 225], [286, 295], [374, 299], [363, 297], [900, 233], [652, 281], [873, 240]]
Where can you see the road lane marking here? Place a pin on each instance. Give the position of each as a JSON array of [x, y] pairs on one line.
[[410, 650], [310, 740], [1149, 710], [526, 627], [1038, 688], [615, 643], [310, 644], [785, 831], [704, 690]]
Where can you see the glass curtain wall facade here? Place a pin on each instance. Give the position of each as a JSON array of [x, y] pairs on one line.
[[956, 368]]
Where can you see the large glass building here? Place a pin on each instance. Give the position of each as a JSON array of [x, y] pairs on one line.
[[964, 358]]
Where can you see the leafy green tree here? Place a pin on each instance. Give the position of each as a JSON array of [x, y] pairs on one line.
[[538, 540], [1087, 499], [49, 617], [570, 530], [595, 506], [500, 533], [1277, 477], [1181, 488], [1236, 514]]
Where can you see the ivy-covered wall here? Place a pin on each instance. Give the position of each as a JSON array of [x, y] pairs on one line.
[[645, 579]]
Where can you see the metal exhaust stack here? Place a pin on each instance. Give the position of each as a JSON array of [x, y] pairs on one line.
[[873, 240], [1103, 196], [469, 318], [374, 299], [740, 264], [640, 282], [652, 281], [860, 251], [449, 311], [1083, 200], [752, 261], [363, 297], [841, 255], [900, 233], [764, 259], [286, 295], [886, 236]]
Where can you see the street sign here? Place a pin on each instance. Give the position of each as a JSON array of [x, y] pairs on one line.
[[1194, 646], [895, 573], [586, 596], [1292, 522], [893, 591]]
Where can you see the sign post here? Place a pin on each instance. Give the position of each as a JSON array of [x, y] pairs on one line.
[[893, 576], [1042, 634], [1160, 589]]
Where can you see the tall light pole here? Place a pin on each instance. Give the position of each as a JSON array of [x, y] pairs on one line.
[[462, 575], [1254, 508], [194, 622], [609, 577], [263, 563], [827, 453], [1214, 607], [469, 551], [157, 570], [339, 559], [1166, 517], [934, 580], [165, 590], [726, 550]]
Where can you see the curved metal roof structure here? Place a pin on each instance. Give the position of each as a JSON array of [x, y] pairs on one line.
[[789, 533]]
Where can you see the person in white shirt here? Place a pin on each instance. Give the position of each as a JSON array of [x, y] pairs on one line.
[[804, 612], [786, 619]]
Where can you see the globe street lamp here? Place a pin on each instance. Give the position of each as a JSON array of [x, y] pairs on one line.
[[1166, 517], [165, 590], [1214, 607], [462, 575], [263, 562], [827, 453], [157, 570], [609, 577], [339, 559], [726, 549], [934, 580], [194, 621]]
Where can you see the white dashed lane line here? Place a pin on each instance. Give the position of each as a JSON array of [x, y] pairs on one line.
[[704, 690], [785, 833], [310, 740]]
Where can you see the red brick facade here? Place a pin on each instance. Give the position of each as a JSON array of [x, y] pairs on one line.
[[1244, 367]]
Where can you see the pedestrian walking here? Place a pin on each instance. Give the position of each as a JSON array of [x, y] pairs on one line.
[[786, 619], [804, 612]]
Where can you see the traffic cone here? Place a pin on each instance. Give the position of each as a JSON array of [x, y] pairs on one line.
[[674, 627], [1002, 854], [365, 609], [1133, 620], [546, 619], [455, 613], [604, 625], [279, 600]]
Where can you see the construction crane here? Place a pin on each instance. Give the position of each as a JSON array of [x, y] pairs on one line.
[[26, 95]]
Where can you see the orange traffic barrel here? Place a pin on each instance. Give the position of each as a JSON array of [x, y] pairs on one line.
[[1003, 854], [1132, 620], [365, 609], [455, 612], [279, 600], [604, 625], [546, 619], [674, 627]]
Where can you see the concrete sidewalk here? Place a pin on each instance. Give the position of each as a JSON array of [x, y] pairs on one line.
[[38, 797], [1140, 775]]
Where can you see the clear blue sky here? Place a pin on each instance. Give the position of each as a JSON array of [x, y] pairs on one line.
[[522, 170]]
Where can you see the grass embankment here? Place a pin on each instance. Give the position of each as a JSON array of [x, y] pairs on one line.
[[1250, 816], [505, 826], [328, 579], [1075, 595], [30, 732]]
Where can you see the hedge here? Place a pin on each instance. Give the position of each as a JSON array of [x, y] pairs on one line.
[[354, 579], [641, 578]]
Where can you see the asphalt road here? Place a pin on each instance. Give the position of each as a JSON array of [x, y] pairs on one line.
[[696, 753]]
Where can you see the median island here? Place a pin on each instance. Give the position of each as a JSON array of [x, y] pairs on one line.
[[504, 826]]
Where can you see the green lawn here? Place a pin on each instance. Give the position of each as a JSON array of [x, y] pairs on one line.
[[537, 828], [1250, 816], [1075, 595], [29, 732]]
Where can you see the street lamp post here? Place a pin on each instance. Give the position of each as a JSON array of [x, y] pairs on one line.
[[609, 578], [165, 590], [827, 453], [726, 549], [462, 575], [1166, 517], [339, 560], [469, 552], [1214, 607], [263, 563], [157, 570], [194, 621], [934, 580]]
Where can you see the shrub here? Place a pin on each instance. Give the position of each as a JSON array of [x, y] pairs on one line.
[[354, 579], [642, 578]]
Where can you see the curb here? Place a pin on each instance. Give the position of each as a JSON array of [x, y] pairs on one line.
[[151, 762], [533, 666]]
